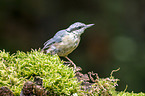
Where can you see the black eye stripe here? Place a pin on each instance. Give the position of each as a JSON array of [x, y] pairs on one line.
[[79, 27], [76, 28]]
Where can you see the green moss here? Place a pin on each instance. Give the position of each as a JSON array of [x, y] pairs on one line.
[[17, 68], [58, 79]]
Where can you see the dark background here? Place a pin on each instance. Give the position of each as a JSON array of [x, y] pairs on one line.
[[116, 40]]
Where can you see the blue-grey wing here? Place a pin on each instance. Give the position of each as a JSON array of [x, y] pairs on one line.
[[56, 39]]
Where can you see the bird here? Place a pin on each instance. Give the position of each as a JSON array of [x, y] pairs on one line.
[[65, 41]]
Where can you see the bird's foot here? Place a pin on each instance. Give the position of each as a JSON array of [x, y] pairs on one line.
[[71, 62]]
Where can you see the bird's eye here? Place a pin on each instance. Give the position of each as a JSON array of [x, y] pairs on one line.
[[80, 27], [76, 28]]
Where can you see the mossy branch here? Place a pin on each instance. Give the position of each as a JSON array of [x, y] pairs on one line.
[[59, 79], [18, 68]]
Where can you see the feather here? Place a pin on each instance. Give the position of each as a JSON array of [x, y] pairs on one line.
[[56, 39]]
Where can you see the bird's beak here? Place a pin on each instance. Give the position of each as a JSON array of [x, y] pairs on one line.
[[89, 25]]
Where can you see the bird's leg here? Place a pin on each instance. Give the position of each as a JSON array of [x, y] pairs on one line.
[[71, 62]]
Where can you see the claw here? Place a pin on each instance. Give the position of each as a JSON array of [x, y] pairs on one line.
[[71, 62]]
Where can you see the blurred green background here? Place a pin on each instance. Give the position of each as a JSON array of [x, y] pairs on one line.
[[116, 40]]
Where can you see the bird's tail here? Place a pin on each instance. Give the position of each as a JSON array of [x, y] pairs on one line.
[[42, 50]]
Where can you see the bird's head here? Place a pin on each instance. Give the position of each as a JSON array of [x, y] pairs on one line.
[[78, 28]]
